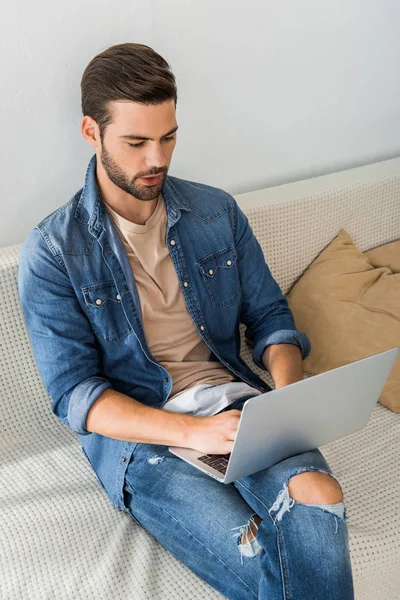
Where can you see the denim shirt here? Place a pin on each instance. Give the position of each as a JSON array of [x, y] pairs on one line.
[[83, 314]]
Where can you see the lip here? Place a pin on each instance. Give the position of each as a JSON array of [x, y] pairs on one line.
[[153, 180]]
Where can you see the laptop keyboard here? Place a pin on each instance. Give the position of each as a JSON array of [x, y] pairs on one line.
[[216, 461]]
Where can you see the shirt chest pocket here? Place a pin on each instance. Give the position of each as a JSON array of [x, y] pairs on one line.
[[219, 273], [105, 311]]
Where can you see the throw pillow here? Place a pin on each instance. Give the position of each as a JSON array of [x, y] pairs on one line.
[[350, 310], [386, 256]]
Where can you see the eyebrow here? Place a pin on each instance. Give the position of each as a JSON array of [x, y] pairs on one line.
[[132, 136]]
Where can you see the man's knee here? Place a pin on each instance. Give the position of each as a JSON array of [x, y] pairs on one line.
[[252, 529], [314, 487]]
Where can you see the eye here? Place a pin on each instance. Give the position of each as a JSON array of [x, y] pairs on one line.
[[166, 139]]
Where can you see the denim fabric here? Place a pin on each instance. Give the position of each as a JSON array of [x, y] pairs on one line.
[[83, 313], [300, 551]]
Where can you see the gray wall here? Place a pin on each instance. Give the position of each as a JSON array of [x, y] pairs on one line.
[[269, 92]]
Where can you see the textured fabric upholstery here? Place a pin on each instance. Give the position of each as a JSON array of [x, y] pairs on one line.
[[61, 537]]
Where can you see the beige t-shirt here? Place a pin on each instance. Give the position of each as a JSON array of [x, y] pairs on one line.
[[170, 332]]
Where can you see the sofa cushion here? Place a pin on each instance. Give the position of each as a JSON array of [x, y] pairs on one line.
[[350, 310]]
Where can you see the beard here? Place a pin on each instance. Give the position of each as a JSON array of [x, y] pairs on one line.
[[120, 179]]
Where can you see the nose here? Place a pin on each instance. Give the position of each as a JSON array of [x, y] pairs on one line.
[[155, 156]]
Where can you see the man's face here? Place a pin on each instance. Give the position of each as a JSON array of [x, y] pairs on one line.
[[127, 158]]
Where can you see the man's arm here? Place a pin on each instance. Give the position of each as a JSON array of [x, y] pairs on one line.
[[69, 362], [265, 310], [284, 363], [121, 417]]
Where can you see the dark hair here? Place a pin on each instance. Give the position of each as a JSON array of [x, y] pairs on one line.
[[128, 71]]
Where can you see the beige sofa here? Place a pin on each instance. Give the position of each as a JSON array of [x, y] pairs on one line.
[[60, 536]]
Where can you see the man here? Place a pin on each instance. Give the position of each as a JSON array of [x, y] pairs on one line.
[[133, 292]]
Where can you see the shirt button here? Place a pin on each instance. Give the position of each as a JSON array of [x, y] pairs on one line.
[[172, 242], [118, 297], [98, 301], [202, 327], [166, 379], [229, 262], [211, 272], [124, 459], [185, 284]]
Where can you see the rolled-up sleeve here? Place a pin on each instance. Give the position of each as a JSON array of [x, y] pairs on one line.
[[265, 310], [285, 336], [84, 395], [63, 343]]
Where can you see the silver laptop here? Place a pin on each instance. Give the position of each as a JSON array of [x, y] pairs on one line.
[[298, 417]]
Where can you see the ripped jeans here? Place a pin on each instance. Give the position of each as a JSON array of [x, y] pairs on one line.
[[300, 551]]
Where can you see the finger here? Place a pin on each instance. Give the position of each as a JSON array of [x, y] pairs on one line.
[[232, 433]]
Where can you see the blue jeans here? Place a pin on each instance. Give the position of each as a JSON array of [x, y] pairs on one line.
[[300, 552]]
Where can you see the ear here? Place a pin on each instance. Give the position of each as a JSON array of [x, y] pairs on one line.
[[90, 131]]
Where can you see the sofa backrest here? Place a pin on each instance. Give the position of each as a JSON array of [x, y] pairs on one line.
[[296, 221], [292, 222]]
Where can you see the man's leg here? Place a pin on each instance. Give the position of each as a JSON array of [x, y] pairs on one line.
[[196, 518], [276, 531], [300, 549], [303, 524], [311, 486]]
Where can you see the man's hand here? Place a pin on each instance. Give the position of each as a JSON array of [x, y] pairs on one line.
[[215, 434]]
